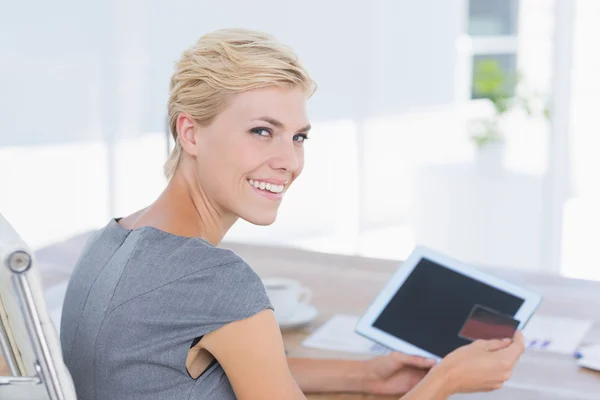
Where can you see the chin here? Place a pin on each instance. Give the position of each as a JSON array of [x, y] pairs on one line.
[[261, 219]]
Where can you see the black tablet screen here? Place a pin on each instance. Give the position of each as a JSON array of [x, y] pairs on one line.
[[434, 302]]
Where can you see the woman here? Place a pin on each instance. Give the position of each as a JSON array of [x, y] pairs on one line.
[[155, 310]]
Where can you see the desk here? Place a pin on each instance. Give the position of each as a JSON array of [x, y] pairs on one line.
[[348, 284]]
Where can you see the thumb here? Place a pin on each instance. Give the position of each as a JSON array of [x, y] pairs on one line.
[[496, 344]]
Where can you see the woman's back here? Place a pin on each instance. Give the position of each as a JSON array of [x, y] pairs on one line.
[[136, 303]]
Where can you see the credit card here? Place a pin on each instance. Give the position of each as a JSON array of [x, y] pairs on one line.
[[486, 323]]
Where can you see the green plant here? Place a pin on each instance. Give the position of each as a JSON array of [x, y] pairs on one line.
[[493, 83]]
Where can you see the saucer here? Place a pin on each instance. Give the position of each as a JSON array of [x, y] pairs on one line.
[[304, 314]]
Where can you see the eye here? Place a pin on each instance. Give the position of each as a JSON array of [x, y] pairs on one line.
[[260, 131], [300, 137]]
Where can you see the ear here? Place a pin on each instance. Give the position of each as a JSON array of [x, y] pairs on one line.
[[186, 133]]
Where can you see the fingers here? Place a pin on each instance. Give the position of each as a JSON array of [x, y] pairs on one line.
[[509, 356], [421, 362], [413, 361], [517, 347]]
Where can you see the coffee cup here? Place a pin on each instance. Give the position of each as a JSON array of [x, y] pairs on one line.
[[286, 296]]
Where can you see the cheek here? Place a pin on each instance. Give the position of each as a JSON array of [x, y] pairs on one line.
[[246, 161], [215, 167], [222, 155], [300, 163]]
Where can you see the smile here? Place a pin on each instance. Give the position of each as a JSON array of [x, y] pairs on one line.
[[266, 186]]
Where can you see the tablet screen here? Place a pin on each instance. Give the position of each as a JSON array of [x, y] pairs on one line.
[[433, 304]]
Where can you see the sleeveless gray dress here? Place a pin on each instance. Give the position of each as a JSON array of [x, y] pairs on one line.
[[135, 304]]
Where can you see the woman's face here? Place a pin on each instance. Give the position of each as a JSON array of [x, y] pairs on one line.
[[250, 154]]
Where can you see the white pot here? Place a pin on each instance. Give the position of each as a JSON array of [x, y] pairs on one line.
[[490, 157]]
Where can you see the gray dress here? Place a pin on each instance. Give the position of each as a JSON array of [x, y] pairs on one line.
[[138, 300]]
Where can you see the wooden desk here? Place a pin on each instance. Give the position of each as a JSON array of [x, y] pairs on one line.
[[348, 285]]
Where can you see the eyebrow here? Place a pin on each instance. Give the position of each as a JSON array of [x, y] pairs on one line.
[[279, 124]]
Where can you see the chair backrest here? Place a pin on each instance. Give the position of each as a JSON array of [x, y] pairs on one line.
[[30, 337]]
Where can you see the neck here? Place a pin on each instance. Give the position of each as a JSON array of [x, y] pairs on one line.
[[184, 209]]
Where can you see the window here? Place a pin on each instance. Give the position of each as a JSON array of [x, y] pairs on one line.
[[492, 35], [493, 17]]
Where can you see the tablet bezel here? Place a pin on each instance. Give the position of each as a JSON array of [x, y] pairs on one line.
[[365, 326]]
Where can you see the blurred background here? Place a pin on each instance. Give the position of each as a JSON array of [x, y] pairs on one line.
[[469, 126]]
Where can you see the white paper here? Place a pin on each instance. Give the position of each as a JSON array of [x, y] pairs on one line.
[[337, 334], [554, 334], [590, 357]]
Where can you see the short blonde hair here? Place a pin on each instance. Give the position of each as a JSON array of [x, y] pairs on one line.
[[221, 64]]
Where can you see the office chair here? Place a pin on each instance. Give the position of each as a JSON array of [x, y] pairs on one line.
[[28, 339]]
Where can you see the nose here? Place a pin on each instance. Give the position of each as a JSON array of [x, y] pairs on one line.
[[286, 156]]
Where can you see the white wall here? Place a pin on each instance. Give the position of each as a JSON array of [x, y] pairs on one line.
[[83, 91], [82, 80], [581, 216]]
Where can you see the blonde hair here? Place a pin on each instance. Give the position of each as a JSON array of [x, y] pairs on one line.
[[221, 64]]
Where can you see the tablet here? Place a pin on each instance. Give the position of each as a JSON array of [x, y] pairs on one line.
[[426, 303]]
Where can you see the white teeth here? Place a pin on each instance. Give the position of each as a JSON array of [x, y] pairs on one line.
[[276, 188], [266, 186]]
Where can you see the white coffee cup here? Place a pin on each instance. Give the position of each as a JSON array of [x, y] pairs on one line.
[[286, 296]]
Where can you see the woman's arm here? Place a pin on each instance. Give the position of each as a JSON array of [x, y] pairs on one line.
[[316, 375], [435, 386], [392, 374], [4, 371], [252, 354]]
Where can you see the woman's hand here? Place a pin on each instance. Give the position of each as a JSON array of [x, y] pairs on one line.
[[483, 365], [395, 373]]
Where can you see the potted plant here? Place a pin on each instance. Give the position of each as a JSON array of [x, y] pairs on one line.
[[503, 91]]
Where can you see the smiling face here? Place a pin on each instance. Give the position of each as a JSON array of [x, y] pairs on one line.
[[251, 153]]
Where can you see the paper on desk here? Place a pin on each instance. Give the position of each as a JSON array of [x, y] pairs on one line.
[[338, 334], [554, 334], [542, 333]]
